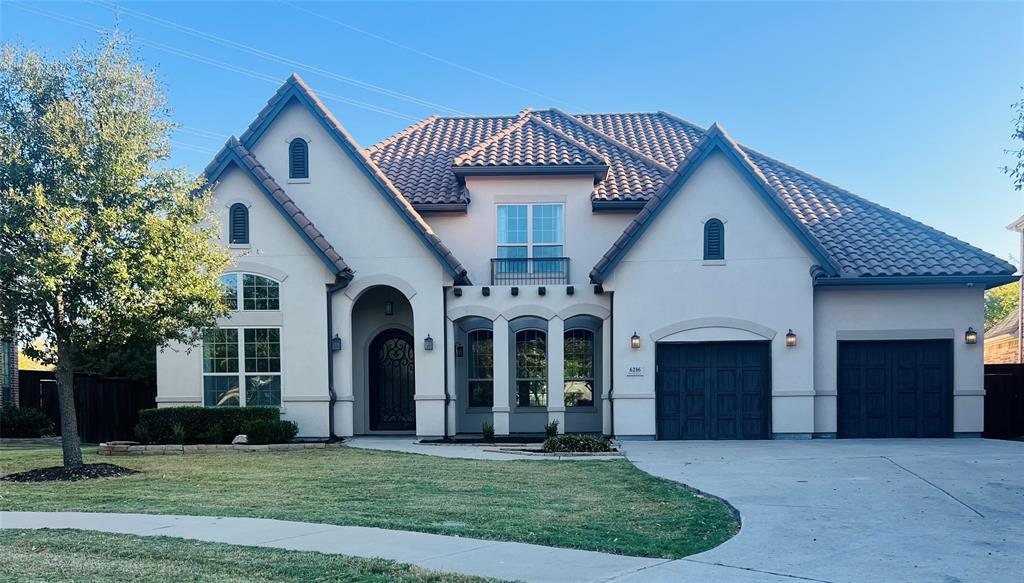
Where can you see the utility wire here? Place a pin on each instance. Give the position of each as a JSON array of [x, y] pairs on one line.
[[275, 57]]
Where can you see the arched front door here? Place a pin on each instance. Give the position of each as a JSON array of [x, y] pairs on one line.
[[392, 382]]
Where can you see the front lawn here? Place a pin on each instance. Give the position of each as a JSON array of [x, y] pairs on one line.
[[69, 555], [607, 506]]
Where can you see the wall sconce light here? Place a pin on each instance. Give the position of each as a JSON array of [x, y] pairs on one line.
[[335, 343], [428, 343], [790, 338], [634, 341], [970, 337], [389, 308], [458, 351]]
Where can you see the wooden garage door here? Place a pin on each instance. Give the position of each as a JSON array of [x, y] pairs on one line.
[[895, 389], [713, 390]]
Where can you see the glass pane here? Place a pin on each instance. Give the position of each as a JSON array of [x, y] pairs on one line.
[[259, 293], [579, 368], [547, 223], [512, 223], [220, 391], [531, 368], [579, 393], [262, 350], [516, 259], [481, 393], [547, 259], [263, 391], [480, 359], [229, 282], [531, 393], [220, 350]]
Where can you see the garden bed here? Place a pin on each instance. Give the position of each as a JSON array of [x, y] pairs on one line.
[[504, 440], [62, 474], [133, 448]]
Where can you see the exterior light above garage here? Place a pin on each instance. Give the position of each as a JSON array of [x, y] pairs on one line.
[[634, 341], [335, 343], [428, 343], [790, 338], [970, 337]]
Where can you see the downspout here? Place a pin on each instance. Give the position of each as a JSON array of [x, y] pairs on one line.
[[339, 284], [447, 396], [611, 361]]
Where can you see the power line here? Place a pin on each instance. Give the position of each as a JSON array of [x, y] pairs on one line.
[[275, 57], [423, 53], [193, 147], [201, 133]]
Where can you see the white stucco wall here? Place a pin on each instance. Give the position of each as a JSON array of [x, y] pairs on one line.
[[901, 314], [762, 290]]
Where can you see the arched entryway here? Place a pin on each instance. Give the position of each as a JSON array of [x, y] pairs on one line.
[[392, 385]]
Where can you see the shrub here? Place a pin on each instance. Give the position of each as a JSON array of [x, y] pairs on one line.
[[198, 424], [262, 432], [577, 443], [551, 429], [487, 428], [24, 422]]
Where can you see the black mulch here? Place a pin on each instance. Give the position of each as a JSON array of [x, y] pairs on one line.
[[62, 474]]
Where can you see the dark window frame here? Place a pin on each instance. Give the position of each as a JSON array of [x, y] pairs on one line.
[[298, 159], [238, 224], [522, 325]]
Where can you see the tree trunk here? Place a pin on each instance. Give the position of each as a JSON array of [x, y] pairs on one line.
[[68, 419]]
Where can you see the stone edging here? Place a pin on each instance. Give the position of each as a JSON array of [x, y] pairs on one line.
[[128, 448]]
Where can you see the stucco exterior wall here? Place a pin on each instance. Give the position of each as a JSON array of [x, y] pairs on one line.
[[666, 292], [901, 314]]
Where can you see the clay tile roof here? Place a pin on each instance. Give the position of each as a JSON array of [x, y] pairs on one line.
[[233, 150]]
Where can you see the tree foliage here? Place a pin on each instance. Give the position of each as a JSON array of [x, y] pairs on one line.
[[101, 245], [1000, 301], [1016, 171]]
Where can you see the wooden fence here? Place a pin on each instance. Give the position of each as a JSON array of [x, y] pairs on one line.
[[1004, 401], [107, 408]]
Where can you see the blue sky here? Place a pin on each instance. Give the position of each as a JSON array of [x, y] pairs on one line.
[[907, 104]]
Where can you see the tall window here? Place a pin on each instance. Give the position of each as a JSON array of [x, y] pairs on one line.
[[298, 159], [579, 368], [480, 367], [714, 239], [251, 292], [238, 230], [530, 230], [259, 371], [531, 368]]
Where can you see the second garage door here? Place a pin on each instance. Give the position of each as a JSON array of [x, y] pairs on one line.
[[713, 390], [895, 389]]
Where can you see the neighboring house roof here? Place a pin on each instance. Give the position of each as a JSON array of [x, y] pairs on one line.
[[1008, 326], [296, 89], [855, 240], [234, 153], [1017, 225]]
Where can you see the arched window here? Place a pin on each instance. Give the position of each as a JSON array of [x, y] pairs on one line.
[[480, 367], [714, 239], [238, 230], [579, 367], [298, 159], [531, 368], [248, 291]]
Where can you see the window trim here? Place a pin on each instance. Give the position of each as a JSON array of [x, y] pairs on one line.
[[241, 373], [522, 324], [529, 244]]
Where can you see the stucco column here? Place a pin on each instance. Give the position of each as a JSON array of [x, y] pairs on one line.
[[556, 372], [343, 387], [449, 352], [606, 377], [502, 375]]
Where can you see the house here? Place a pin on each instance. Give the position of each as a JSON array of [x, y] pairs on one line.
[[626, 273]]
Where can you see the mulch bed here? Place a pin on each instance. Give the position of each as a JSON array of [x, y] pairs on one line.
[[62, 474], [480, 440]]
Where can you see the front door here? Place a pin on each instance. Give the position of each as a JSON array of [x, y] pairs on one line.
[[392, 382]]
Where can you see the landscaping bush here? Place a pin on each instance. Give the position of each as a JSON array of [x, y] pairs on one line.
[[551, 429], [24, 422], [577, 443], [198, 424], [263, 432], [487, 428]]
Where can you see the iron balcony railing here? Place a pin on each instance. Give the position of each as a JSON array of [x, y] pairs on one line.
[[529, 270]]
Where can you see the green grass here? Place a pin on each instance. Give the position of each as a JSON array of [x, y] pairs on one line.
[[607, 506], [68, 555]]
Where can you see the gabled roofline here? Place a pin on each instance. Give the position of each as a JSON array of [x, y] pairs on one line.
[[715, 139], [235, 154], [295, 88], [1017, 225]]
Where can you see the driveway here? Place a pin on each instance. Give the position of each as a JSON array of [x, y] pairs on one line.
[[853, 510]]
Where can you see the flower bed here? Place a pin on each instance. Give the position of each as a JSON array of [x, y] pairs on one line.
[[133, 448]]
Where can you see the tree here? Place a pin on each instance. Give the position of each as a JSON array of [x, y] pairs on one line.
[[1000, 301], [1016, 171], [100, 244]]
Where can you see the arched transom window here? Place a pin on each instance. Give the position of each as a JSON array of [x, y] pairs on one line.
[[251, 292]]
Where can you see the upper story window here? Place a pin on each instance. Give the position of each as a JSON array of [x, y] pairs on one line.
[[531, 239], [251, 292], [238, 229], [714, 240], [298, 159]]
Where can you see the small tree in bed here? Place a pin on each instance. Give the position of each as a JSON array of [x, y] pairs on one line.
[[100, 245]]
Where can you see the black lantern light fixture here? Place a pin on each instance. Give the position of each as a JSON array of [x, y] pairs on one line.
[[634, 341], [428, 343], [389, 308], [790, 338], [459, 350], [970, 337], [335, 343]]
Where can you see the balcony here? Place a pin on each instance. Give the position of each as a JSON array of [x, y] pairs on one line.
[[529, 270]]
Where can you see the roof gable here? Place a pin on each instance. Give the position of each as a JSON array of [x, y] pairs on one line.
[[296, 89], [235, 154]]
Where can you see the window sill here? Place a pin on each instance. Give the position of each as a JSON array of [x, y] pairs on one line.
[[714, 262], [298, 181]]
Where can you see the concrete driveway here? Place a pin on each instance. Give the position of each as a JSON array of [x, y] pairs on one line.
[[860, 510]]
